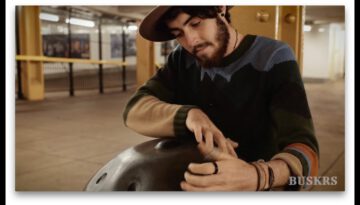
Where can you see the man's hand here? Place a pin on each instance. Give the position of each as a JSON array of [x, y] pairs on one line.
[[233, 174], [205, 130]]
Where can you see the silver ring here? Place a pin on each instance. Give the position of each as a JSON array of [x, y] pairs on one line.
[[216, 167]]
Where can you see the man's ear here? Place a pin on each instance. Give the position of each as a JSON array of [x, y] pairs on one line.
[[222, 9]]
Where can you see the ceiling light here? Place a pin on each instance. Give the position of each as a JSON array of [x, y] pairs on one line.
[[49, 17], [80, 22], [307, 28], [321, 30], [132, 28]]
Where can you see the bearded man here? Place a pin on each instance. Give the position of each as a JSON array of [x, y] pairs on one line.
[[240, 96]]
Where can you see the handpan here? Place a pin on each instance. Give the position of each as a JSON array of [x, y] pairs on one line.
[[156, 165]]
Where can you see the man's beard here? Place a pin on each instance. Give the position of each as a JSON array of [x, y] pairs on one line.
[[222, 37]]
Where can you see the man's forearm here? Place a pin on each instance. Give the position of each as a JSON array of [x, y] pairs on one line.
[[152, 117], [281, 172]]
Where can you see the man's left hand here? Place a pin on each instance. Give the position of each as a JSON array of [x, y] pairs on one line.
[[234, 174]]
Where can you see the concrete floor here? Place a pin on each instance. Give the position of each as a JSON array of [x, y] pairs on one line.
[[61, 142]]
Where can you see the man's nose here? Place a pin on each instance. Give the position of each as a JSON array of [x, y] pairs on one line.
[[191, 39]]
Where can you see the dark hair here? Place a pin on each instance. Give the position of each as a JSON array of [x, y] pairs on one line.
[[197, 11]]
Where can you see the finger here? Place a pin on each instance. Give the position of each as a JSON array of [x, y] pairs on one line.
[[203, 168], [233, 144], [205, 150], [221, 142], [231, 148], [189, 187], [203, 181], [213, 154], [209, 142], [198, 134]]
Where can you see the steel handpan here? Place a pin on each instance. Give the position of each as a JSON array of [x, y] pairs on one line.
[[156, 165]]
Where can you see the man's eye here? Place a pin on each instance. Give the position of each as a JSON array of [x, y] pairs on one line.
[[195, 24], [177, 35]]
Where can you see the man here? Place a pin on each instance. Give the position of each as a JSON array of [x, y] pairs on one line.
[[241, 96]]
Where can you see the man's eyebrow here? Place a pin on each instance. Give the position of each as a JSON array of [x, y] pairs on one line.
[[184, 24], [174, 29], [187, 21]]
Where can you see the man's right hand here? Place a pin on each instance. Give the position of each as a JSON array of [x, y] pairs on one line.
[[205, 130]]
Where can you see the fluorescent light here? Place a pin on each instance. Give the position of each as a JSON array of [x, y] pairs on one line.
[[132, 27], [80, 22], [49, 17], [307, 28], [321, 30]]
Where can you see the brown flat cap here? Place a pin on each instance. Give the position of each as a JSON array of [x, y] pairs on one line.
[[148, 27]]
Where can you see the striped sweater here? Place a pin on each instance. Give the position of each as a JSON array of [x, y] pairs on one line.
[[256, 97]]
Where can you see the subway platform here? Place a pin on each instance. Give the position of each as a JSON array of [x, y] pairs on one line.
[[61, 142]]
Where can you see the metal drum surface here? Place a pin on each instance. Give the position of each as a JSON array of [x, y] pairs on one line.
[[156, 165]]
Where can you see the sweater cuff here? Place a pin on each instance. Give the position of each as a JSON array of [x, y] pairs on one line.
[[295, 168], [180, 128]]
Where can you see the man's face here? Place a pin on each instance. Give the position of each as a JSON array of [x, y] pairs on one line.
[[205, 39]]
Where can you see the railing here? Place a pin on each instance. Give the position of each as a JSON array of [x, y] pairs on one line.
[[71, 74], [68, 60]]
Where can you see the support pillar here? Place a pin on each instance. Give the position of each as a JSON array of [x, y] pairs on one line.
[[145, 65], [30, 41]]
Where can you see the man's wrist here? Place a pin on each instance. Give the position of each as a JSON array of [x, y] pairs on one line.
[[265, 169], [271, 174], [180, 128], [263, 175], [281, 172]]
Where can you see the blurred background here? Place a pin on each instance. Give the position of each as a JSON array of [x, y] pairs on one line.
[[76, 67]]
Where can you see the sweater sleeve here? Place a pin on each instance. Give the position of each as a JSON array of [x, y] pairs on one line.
[[292, 121], [153, 111]]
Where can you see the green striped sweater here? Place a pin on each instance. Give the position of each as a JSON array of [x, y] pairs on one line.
[[256, 97]]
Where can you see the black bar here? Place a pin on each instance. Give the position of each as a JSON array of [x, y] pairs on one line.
[[101, 82], [71, 76], [20, 94], [71, 80], [124, 59]]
